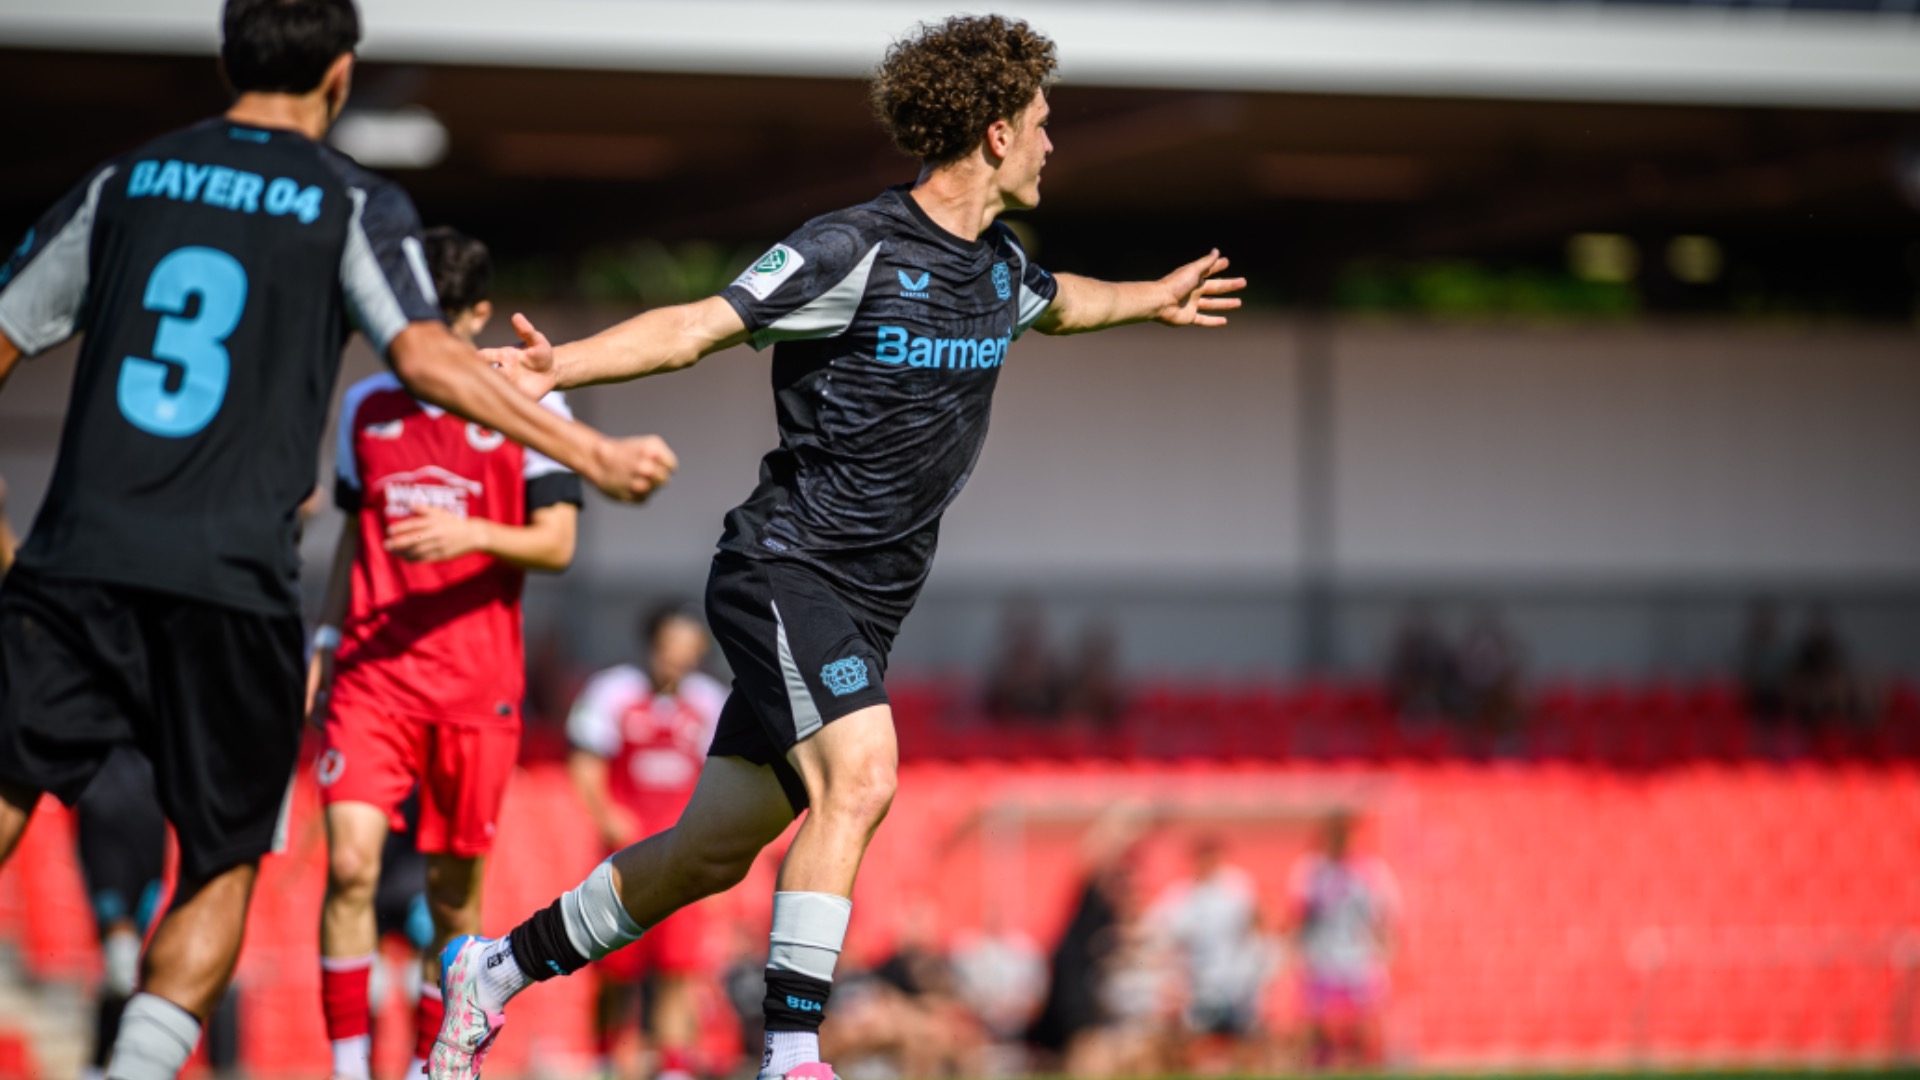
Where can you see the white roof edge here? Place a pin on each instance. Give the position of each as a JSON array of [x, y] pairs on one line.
[[1587, 52]]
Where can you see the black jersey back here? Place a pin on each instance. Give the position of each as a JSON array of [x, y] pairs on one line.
[[216, 272], [890, 336]]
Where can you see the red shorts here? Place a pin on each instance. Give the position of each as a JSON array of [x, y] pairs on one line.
[[371, 757], [675, 947]]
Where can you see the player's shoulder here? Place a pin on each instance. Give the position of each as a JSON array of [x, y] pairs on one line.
[[704, 689], [381, 201], [351, 173], [852, 231], [620, 680]]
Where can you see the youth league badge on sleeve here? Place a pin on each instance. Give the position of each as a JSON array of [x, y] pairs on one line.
[[774, 268]]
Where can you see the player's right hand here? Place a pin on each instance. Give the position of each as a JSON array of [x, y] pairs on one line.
[[629, 470], [529, 365]]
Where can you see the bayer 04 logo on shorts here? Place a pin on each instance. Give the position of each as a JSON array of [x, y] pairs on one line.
[[846, 676]]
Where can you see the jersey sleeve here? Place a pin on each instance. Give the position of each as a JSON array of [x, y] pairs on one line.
[[550, 483], [808, 286], [593, 726], [43, 282], [383, 268], [1037, 287]]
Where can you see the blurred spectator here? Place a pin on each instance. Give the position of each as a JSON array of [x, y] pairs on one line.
[[1763, 663], [1094, 688], [1345, 910], [1423, 675], [1073, 1018], [7, 539], [1213, 922], [1026, 681], [907, 1009], [1001, 975], [1491, 663], [1821, 685]]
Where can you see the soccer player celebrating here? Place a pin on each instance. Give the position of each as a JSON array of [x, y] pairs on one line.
[[215, 273], [444, 518], [639, 737], [890, 322]]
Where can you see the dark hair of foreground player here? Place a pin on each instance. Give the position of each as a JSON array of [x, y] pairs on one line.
[[285, 46], [939, 92]]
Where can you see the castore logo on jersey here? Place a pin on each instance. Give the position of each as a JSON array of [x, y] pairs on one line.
[[914, 288]]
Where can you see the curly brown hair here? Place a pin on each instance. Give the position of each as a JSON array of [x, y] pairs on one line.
[[939, 91]]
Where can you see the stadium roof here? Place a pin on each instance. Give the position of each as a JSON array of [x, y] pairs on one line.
[[1782, 54]]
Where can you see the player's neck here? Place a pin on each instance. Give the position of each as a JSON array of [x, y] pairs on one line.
[[305, 113], [959, 198]]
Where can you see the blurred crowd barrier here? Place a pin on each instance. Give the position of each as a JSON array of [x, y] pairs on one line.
[[1567, 909]]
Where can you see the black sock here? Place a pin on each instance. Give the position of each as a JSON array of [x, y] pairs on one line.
[[795, 1002], [541, 946]]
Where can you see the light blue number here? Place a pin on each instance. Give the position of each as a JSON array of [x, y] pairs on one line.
[[197, 345]]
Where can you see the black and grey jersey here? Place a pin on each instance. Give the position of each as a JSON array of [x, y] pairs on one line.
[[216, 273], [889, 334]]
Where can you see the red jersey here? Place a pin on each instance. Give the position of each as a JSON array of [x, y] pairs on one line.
[[655, 744], [437, 641]]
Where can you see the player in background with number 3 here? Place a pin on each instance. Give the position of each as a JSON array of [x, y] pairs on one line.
[[215, 273]]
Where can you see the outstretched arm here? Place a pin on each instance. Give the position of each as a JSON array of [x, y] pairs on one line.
[[1190, 296], [440, 368], [664, 339]]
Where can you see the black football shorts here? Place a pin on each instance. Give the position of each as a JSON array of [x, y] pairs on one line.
[[802, 657], [210, 695]]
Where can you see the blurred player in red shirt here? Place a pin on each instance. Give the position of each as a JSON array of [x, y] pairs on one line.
[[420, 685], [640, 736]]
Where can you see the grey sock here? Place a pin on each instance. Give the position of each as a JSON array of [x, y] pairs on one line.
[[809, 929], [156, 1038], [597, 922]]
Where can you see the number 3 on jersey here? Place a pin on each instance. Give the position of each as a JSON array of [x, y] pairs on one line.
[[196, 345]]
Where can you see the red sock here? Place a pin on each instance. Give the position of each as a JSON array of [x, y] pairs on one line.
[[676, 1059], [427, 1015], [343, 996]]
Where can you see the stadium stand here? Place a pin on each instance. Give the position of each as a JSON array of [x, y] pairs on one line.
[[1636, 886]]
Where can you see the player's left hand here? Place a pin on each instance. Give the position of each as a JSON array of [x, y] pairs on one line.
[[435, 536], [529, 365], [1195, 294]]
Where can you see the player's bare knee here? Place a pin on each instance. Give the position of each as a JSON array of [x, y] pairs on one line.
[[714, 867], [861, 795], [352, 874]]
